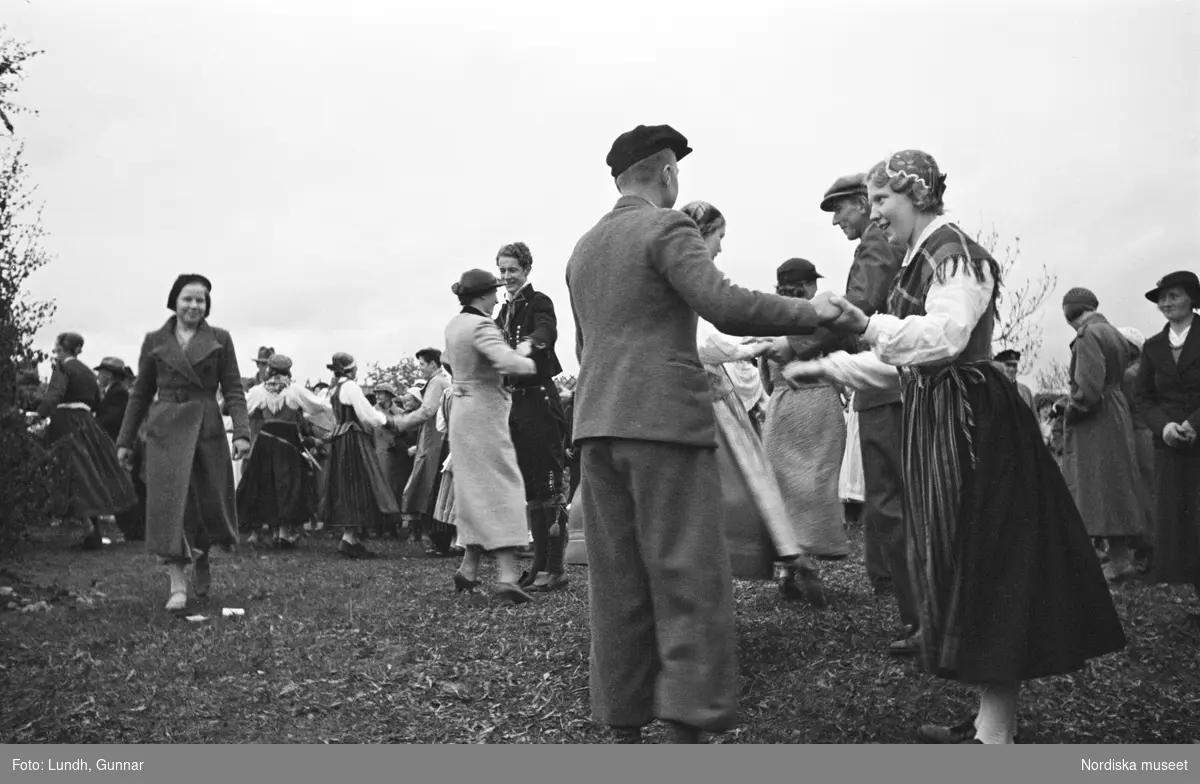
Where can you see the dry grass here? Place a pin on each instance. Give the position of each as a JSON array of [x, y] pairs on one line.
[[337, 651]]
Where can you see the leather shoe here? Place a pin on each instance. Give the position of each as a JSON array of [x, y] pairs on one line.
[[906, 646], [557, 582]]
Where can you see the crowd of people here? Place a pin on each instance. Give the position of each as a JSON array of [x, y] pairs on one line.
[[714, 434]]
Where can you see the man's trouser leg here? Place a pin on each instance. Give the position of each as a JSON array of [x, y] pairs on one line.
[[664, 643], [880, 431]]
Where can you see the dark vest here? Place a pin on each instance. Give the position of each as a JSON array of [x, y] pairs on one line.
[[945, 252]]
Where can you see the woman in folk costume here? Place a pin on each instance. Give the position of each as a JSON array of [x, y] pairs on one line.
[[1008, 584], [1143, 443], [537, 420], [489, 493], [1099, 457], [189, 475], [91, 481], [757, 528], [358, 495], [1168, 397], [276, 488], [805, 436]]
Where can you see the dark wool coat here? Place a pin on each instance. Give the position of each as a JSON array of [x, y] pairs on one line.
[[110, 411], [189, 473], [1099, 452], [1169, 391]]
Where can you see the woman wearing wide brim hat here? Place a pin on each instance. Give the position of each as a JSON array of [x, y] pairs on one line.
[[1166, 393], [277, 478], [489, 492], [358, 496]]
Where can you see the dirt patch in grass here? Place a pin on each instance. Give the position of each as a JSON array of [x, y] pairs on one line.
[[331, 650]]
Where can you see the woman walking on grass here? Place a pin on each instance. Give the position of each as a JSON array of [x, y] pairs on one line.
[[189, 475]]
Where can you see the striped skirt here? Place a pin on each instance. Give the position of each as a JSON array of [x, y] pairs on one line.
[[1008, 584]]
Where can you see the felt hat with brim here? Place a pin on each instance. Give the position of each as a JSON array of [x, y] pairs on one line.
[[264, 354], [476, 283], [341, 362], [385, 387], [850, 185], [796, 271], [1184, 279], [113, 365]]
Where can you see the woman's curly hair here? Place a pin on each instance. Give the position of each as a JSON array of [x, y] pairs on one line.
[[915, 174]]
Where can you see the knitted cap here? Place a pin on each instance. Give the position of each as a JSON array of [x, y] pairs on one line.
[[1081, 296]]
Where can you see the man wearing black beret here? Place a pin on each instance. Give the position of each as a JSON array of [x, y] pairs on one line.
[[661, 593]]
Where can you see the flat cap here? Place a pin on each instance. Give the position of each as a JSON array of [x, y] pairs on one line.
[[642, 142], [850, 185], [1008, 355]]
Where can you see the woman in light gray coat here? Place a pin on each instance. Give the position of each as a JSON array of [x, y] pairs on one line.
[[488, 488]]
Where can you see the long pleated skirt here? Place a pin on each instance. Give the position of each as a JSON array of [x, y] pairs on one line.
[[805, 437], [276, 484], [1009, 587], [357, 493], [90, 481]]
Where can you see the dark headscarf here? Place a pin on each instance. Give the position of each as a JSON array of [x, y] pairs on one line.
[[184, 280]]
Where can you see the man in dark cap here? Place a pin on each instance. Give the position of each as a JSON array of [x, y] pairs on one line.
[[880, 413], [111, 375], [1010, 360], [661, 593]]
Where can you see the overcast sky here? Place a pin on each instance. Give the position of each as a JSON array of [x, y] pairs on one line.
[[333, 167]]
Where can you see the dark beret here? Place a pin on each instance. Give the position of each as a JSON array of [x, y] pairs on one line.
[[642, 142], [1008, 355], [850, 185], [184, 280]]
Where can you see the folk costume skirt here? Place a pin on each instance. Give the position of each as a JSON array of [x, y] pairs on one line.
[[754, 515], [1007, 582], [90, 479], [805, 437], [357, 493], [537, 423], [276, 486], [441, 515]]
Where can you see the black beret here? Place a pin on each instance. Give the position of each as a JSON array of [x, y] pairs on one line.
[[184, 280], [1008, 355], [642, 142]]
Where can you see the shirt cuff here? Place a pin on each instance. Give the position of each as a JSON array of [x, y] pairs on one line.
[[871, 334]]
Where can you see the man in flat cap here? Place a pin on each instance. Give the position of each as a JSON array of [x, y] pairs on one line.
[[661, 594], [1099, 452], [1010, 360], [880, 412]]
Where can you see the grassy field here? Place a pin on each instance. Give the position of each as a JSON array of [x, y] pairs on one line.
[[338, 651]]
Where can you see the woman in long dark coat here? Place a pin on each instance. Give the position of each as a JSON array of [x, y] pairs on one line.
[[1168, 397], [1099, 456], [91, 480], [1008, 584], [537, 421], [189, 475]]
